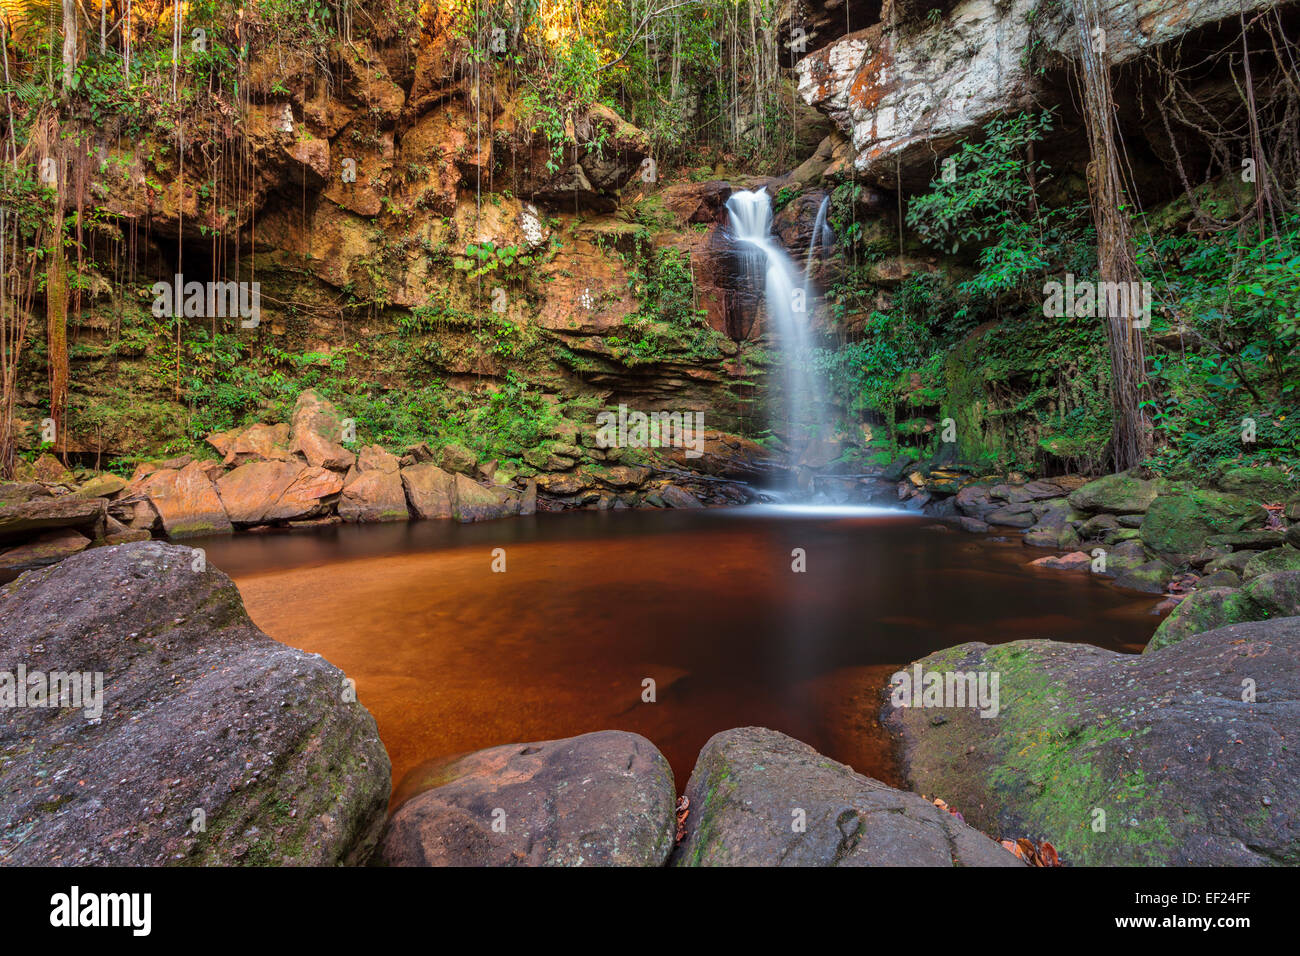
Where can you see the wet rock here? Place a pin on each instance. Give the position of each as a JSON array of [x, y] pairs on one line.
[[676, 497], [1119, 759], [45, 549], [375, 495], [186, 501], [601, 799], [429, 490], [973, 525], [18, 492], [760, 798], [204, 718], [1074, 561], [528, 503], [261, 492], [474, 502]]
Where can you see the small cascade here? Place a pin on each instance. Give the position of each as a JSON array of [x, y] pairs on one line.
[[788, 300], [819, 243]]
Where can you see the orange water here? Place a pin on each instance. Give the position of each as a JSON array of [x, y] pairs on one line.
[[451, 656]]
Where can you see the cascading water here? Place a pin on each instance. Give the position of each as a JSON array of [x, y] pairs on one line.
[[788, 300]]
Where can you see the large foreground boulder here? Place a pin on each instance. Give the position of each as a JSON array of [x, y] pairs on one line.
[[210, 743], [601, 799], [760, 798], [1181, 757]]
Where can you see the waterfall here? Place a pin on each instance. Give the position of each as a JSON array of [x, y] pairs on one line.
[[788, 301], [819, 241]]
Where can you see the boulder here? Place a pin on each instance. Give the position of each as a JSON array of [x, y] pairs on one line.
[[601, 799], [429, 490], [19, 492], [45, 549], [101, 486], [1267, 596], [528, 503], [374, 458], [375, 495], [458, 459], [18, 518], [1178, 525], [1268, 483], [676, 497], [474, 502], [186, 501], [259, 443], [1179, 758], [49, 469], [315, 432], [1279, 559], [1117, 494], [215, 744], [760, 798], [261, 492]]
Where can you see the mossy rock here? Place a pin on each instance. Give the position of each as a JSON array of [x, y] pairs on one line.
[[1279, 559], [1178, 525], [1267, 596], [1115, 758], [1117, 494], [1268, 483]]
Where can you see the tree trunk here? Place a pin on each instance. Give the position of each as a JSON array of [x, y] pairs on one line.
[[1131, 435], [69, 41]]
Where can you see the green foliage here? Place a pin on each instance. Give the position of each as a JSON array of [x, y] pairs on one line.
[[667, 325], [991, 191]]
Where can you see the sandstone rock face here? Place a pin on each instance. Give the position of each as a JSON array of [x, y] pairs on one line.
[[1120, 759], [265, 491], [186, 501], [374, 496], [601, 799], [201, 711], [760, 798], [905, 96]]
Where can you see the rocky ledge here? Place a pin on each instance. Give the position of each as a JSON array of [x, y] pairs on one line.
[[195, 739], [300, 474]]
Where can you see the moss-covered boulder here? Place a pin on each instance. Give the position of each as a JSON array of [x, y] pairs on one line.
[[760, 798], [1181, 758], [1279, 559], [206, 743], [1117, 494], [1268, 483], [1178, 525], [1266, 596]]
